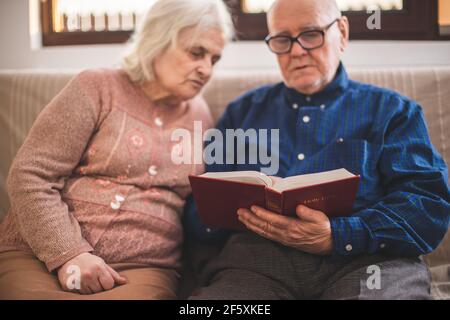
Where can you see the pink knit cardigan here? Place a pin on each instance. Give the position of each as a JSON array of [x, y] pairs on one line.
[[95, 174]]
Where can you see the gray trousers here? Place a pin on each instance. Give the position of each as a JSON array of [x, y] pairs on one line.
[[252, 268]]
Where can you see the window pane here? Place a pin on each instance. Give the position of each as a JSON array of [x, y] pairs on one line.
[[258, 6], [444, 17], [98, 15]]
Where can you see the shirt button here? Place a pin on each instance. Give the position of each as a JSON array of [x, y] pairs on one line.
[[349, 247], [158, 122], [301, 157], [295, 106], [340, 140], [306, 119], [308, 98], [322, 107], [382, 246], [152, 171], [208, 230]]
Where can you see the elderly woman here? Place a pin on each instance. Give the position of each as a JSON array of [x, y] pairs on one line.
[[95, 198]]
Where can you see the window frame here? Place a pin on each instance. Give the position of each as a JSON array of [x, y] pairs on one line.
[[51, 38], [396, 25]]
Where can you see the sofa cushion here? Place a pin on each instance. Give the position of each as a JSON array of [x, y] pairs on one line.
[[23, 94]]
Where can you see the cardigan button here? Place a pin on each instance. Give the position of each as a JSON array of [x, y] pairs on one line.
[[117, 202], [115, 205], [158, 122], [120, 198], [152, 171]]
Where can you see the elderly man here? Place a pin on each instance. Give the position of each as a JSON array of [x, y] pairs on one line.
[[327, 121]]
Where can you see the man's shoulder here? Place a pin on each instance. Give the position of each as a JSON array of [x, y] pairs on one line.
[[260, 94], [385, 96]]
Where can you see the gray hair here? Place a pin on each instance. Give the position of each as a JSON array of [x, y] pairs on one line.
[[161, 27]]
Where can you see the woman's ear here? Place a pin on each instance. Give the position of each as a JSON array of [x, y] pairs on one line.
[[344, 30]]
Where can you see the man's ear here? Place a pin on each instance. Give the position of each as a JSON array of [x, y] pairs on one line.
[[344, 29]]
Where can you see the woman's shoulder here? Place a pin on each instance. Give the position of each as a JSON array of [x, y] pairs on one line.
[[199, 105], [103, 82], [99, 75], [200, 110]]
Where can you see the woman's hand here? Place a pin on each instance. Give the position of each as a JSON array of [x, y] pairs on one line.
[[88, 274]]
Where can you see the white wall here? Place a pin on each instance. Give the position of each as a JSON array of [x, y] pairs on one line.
[[20, 48]]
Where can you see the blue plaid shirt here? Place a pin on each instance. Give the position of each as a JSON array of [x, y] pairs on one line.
[[403, 202]]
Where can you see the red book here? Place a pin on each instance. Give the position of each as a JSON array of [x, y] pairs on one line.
[[218, 195]]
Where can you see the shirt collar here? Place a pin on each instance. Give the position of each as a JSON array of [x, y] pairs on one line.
[[331, 91]]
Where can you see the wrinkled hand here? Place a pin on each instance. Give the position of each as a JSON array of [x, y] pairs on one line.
[[310, 231], [92, 274]]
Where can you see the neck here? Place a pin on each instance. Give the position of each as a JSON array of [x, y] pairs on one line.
[[158, 95]]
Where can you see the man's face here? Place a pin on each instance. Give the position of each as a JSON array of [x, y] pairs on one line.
[[308, 72]]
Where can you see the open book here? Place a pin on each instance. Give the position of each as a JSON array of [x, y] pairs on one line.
[[218, 195]]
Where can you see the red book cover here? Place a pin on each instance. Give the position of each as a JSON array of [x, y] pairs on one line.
[[218, 200]]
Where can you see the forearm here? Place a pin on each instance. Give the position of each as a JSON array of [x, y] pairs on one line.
[[43, 218], [49, 154], [411, 227]]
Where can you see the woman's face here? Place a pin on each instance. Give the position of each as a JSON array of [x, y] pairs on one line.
[[183, 70]]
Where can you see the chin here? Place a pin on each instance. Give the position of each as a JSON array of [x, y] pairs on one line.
[[306, 86], [188, 95]]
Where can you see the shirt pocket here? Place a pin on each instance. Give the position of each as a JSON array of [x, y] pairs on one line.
[[361, 157], [357, 156]]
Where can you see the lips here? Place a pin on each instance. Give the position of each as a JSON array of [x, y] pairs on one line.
[[198, 83], [301, 67]]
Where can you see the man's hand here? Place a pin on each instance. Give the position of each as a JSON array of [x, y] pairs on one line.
[[94, 274], [310, 232]]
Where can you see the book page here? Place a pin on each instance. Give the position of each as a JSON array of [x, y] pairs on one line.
[[253, 177], [311, 179]]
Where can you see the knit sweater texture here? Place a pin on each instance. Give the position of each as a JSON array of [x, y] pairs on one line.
[[95, 174]]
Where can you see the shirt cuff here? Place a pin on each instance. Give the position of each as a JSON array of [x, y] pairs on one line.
[[62, 259], [350, 236]]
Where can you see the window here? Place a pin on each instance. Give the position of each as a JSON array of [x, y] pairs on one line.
[[444, 17], [258, 6], [400, 19], [68, 22]]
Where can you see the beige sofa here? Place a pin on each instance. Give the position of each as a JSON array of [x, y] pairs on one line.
[[23, 94]]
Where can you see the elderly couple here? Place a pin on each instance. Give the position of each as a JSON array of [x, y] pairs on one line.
[[97, 203]]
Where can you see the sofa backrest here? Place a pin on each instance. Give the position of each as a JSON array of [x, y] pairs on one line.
[[23, 94]]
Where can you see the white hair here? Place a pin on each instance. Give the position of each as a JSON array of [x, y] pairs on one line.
[[161, 27]]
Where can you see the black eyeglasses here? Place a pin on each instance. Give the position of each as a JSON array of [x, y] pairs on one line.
[[308, 40]]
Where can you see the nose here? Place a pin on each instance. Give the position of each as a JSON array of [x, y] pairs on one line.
[[205, 68], [297, 49]]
